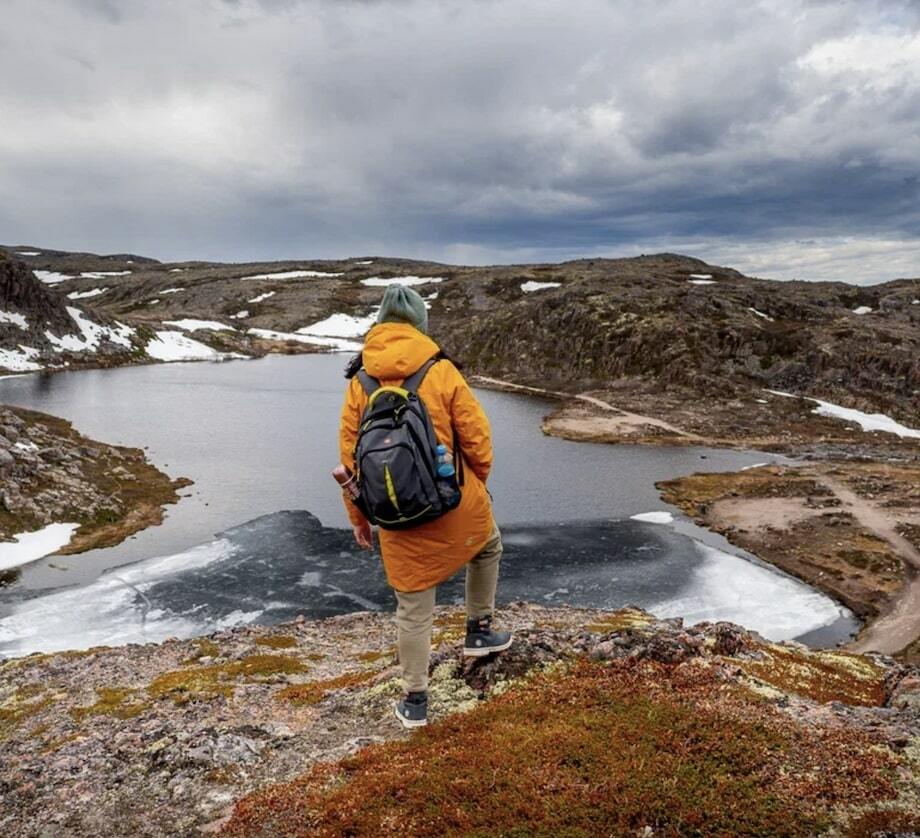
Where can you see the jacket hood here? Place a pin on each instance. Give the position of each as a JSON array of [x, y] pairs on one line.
[[396, 350]]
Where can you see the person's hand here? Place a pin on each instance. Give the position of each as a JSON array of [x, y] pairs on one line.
[[364, 535]]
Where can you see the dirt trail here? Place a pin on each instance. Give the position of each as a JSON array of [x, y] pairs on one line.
[[632, 419], [894, 630]]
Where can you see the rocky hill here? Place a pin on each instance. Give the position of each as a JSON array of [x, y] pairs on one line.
[[593, 723], [650, 322], [40, 328]]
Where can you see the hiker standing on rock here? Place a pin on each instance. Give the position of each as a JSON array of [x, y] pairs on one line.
[[419, 446]]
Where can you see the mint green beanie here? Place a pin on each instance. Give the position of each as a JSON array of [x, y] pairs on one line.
[[403, 305]]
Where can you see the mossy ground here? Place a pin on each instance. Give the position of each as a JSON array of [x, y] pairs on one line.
[[120, 702], [820, 676], [206, 682], [596, 750], [313, 692]]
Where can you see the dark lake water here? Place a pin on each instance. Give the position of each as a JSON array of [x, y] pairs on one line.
[[259, 439]]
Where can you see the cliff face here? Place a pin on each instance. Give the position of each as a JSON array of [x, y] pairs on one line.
[[593, 722]]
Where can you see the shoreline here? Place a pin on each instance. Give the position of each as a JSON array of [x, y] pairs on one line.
[[864, 538], [55, 474]]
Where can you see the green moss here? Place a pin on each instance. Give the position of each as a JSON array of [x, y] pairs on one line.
[[374, 656], [113, 701], [216, 680], [625, 618], [206, 649], [15, 711]]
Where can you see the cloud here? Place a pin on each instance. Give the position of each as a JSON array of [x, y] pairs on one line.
[[245, 129]]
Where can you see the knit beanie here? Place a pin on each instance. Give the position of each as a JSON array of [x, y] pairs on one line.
[[403, 305]]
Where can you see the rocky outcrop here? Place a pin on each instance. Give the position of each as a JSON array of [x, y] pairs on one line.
[[41, 329], [49, 473], [164, 739]]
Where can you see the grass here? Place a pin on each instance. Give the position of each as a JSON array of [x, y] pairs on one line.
[[600, 750]]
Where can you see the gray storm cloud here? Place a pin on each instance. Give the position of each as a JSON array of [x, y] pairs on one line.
[[782, 137]]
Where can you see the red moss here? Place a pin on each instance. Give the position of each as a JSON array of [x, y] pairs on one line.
[[602, 750], [825, 677]]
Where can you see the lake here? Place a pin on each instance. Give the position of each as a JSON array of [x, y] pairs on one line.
[[264, 517]]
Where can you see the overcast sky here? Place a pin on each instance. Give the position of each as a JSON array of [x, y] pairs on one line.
[[781, 137]]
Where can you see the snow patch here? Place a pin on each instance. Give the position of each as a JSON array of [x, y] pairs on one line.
[[339, 344], [754, 465], [195, 325], [702, 282], [533, 285], [29, 546], [84, 295], [15, 319], [862, 310], [653, 517], [700, 276], [365, 262], [340, 326], [383, 282], [27, 253], [103, 274], [262, 297], [91, 334], [174, 346], [171, 290], [240, 315], [20, 361], [867, 421], [291, 275], [51, 277], [760, 314], [177, 270]]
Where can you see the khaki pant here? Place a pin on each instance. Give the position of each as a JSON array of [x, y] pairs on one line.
[[415, 610]]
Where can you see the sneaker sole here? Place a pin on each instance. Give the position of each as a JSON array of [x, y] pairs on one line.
[[409, 722], [486, 650]]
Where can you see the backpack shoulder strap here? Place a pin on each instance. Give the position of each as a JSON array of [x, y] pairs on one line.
[[414, 381], [368, 382]]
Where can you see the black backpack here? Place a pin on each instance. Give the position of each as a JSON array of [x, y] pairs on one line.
[[395, 459]]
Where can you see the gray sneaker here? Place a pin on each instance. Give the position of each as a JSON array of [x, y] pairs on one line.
[[481, 640], [412, 711]]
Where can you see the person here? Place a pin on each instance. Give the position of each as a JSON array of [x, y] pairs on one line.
[[417, 560]]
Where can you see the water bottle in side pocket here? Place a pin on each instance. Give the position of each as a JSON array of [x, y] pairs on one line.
[[447, 477]]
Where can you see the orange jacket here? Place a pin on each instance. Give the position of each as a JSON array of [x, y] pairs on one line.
[[416, 559]]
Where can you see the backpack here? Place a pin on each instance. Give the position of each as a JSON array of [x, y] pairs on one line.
[[395, 459]]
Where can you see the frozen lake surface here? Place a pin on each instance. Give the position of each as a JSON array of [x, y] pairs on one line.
[[259, 440]]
